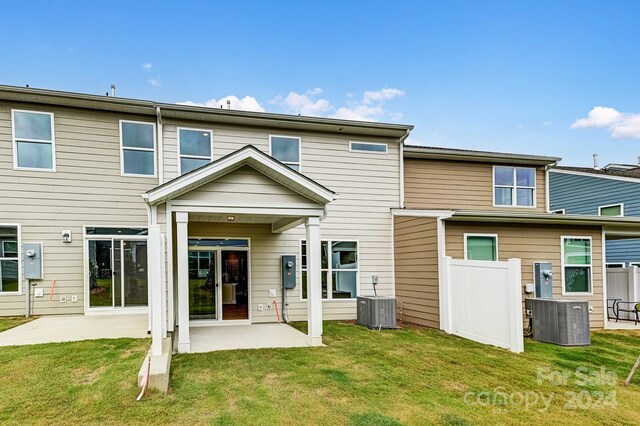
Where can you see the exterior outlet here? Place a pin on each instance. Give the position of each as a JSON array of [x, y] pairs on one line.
[[63, 299], [74, 298], [272, 292], [38, 292], [261, 307]]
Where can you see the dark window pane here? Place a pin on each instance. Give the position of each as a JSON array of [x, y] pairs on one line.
[[226, 242], [503, 196], [195, 142], [525, 177], [503, 176], [139, 162], [117, 231], [137, 135], [344, 284], [481, 248], [524, 197], [189, 164], [577, 279], [31, 125], [303, 283], [8, 275], [285, 149], [35, 155], [344, 255]]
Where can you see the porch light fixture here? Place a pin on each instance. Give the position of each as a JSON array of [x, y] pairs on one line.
[[231, 218]]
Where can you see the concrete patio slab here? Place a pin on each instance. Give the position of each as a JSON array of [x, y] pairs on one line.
[[621, 325], [254, 336], [72, 328]]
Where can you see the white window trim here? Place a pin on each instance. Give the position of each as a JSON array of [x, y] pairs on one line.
[[634, 263], [329, 270], [559, 211], [514, 197], [289, 163], [614, 264], [194, 157], [15, 142], [122, 148], [621, 205], [19, 259], [386, 147], [563, 265], [495, 236]]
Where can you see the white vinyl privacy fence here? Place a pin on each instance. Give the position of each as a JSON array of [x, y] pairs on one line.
[[622, 284], [482, 301]]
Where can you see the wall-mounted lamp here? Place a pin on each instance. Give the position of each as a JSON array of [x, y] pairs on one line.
[[66, 235], [231, 218]]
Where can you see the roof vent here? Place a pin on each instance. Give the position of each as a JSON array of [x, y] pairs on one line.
[[113, 90], [595, 162]]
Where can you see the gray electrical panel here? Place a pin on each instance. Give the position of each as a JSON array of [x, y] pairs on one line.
[[376, 311], [562, 322], [288, 268], [543, 279], [32, 260]]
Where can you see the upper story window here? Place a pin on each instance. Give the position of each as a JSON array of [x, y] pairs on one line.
[[374, 148], [286, 149], [33, 136], [576, 265], [514, 186], [138, 142], [481, 247], [611, 210], [9, 259], [195, 149]]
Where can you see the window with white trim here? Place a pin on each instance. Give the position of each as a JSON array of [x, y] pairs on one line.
[[33, 140], [9, 259], [576, 265], [514, 186], [195, 148], [286, 149], [615, 265], [481, 247], [138, 141], [369, 147], [611, 210], [339, 266], [559, 211]]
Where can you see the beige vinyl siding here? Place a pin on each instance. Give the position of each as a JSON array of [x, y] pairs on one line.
[[458, 185], [532, 243], [416, 270], [86, 189]]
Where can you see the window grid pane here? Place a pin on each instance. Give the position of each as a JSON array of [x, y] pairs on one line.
[[35, 155], [137, 135], [577, 251], [139, 162], [195, 143], [611, 211], [481, 248], [286, 150], [33, 125], [342, 271]]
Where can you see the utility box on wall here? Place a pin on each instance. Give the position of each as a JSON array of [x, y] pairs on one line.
[[543, 279], [288, 268], [32, 261]]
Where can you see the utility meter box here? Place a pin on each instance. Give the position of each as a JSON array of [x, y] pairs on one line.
[[32, 260], [288, 268], [543, 279]]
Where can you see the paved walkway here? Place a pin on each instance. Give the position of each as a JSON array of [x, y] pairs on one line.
[[621, 325], [254, 336], [72, 328]]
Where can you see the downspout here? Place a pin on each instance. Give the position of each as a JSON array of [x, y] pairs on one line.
[[401, 161], [547, 190], [150, 221], [160, 140]]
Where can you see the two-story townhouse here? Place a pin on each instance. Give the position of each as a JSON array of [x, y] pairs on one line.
[[613, 190], [185, 212], [480, 205]]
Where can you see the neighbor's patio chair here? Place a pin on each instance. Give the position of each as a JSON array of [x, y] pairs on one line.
[[629, 307]]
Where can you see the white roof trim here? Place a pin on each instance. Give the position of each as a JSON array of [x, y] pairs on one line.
[[250, 156], [422, 213], [596, 175]]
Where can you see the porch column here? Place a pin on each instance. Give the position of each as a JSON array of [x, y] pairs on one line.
[[314, 282], [182, 246], [155, 286]]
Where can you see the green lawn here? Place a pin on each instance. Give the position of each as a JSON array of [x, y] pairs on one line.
[[362, 377], [10, 322]]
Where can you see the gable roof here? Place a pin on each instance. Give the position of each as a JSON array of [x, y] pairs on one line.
[[430, 152], [632, 173], [248, 155]]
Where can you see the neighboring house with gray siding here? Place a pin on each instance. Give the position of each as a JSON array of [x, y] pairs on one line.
[[613, 190]]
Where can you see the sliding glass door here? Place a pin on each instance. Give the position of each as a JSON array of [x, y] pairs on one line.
[[117, 273]]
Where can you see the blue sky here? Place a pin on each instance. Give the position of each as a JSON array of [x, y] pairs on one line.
[[557, 78]]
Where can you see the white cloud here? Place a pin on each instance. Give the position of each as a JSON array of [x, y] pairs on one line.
[[314, 91], [155, 81], [381, 95], [620, 125], [296, 103], [248, 103], [358, 113], [147, 66], [546, 124]]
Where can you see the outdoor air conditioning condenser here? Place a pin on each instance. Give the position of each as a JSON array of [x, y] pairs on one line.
[[376, 311], [561, 322]]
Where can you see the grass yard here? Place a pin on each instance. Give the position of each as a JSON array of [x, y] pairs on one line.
[[362, 377], [10, 322]]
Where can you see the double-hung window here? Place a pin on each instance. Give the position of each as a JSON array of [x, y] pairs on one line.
[[286, 149], [481, 247], [194, 148], [576, 265], [514, 186], [339, 265], [138, 142], [9, 259], [33, 136]]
